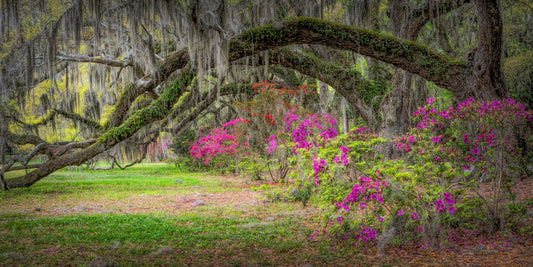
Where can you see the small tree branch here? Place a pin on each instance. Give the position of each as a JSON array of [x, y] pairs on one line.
[[70, 115], [69, 146], [22, 139], [78, 118], [86, 59], [426, 10]]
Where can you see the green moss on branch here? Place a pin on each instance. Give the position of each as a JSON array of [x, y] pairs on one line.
[[408, 55], [156, 111]]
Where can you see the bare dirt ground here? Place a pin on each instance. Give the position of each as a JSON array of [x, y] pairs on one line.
[[143, 204]]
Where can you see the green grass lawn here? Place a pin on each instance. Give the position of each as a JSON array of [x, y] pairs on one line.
[[44, 224], [112, 184], [143, 217]]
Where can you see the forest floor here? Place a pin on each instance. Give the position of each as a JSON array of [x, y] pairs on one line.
[[154, 216]]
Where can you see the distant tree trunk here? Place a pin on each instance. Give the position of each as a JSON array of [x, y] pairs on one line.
[[395, 106], [324, 96]]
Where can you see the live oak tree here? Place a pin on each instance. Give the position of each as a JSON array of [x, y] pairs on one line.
[[156, 65]]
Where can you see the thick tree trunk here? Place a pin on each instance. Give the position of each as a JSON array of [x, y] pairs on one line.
[[487, 58]]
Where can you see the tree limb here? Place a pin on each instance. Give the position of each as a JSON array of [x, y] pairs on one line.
[[86, 59], [70, 115], [156, 111], [410, 56], [426, 10], [22, 139], [173, 62]]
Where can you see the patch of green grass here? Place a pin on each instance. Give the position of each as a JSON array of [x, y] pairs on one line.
[[139, 235], [147, 179]]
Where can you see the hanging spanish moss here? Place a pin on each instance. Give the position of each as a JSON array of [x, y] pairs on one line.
[[127, 32]]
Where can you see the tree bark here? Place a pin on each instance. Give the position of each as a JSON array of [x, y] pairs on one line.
[[487, 58]]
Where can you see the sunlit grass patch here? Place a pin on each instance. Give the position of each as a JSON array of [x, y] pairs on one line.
[[110, 184]]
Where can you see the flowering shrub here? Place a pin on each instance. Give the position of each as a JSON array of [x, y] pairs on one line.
[[263, 117], [220, 142], [469, 144], [271, 102], [471, 136], [418, 197], [266, 112]]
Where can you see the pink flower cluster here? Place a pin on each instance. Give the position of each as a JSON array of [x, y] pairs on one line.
[[217, 142], [403, 147], [289, 118], [343, 157], [362, 130], [366, 234], [425, 113], [318, 167], [314, 235], [365, 191], [446, 201], [475, 110], [304, 135], [405, 143], [233, 122], [331, 121], [272, 144]]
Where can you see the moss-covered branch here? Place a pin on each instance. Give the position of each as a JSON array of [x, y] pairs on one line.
[[173, 62], [410, 56], [155, 111]]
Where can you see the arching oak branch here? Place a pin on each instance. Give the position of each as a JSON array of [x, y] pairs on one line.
[[410, 56]]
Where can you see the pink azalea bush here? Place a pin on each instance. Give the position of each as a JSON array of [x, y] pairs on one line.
[[466, 145], [218, 142]]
